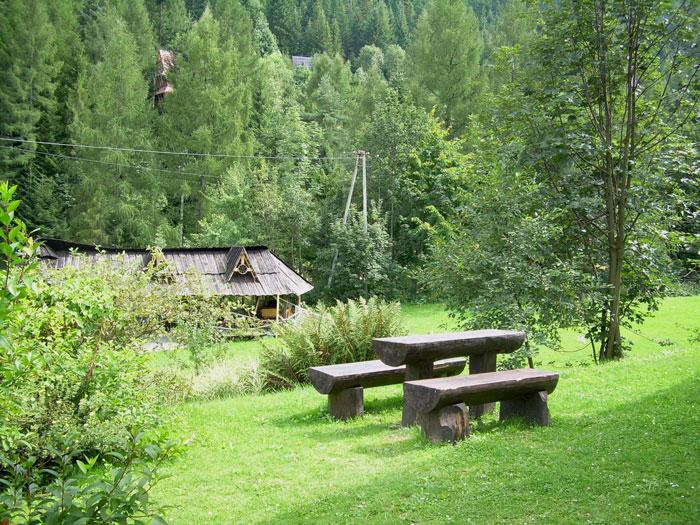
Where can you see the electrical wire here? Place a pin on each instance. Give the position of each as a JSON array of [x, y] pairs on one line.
[[116, 164], [182, 153]]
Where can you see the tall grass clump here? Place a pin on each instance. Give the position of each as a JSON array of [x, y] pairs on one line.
[[341, 333]]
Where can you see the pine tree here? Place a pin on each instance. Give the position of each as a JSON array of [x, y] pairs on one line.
[[263, 37], [170, 21], [380, 32], [29, 66], [336, 39], [208, 111], [115, 202], [136, 18], [285, 22], [445, 59], [401, 28], [318, 32]]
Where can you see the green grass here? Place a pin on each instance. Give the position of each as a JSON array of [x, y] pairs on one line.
[[623, 447]]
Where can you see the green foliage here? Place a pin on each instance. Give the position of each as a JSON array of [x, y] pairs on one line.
[[119, 203], [205, 118], [444, 59], [73, 388], [363, 265], [82, 489], [325, 336]]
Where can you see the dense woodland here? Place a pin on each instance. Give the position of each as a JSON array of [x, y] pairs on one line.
[[530, 165], [526, 158]]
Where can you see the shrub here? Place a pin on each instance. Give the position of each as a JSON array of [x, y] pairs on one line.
[[81, 421], [328, 335]]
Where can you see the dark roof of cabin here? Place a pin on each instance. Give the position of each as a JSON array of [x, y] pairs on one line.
[[270, 274]]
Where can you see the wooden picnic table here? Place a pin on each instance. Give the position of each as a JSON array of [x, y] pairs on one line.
[[419, 352]]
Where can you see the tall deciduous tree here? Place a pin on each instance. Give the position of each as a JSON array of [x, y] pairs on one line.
[[445, 59], [616, 78]]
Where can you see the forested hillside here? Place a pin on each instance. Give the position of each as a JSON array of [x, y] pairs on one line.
[[476, 116]]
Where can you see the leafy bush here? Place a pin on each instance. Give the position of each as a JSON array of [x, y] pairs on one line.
[[328, 335], [81, 421], [82, 489]]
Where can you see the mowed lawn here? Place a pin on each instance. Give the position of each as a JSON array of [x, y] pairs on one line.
[[623, 447]]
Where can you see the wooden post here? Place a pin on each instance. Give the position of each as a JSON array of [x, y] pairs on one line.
[[347, 403], [182, 217], [531, 407], [448, 424], [415, 371], [345, 216], [364, 189], [479, 364], [277, 312]]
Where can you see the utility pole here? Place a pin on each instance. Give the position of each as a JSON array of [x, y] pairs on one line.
[[182, 217], [346, 213], [364, 189]]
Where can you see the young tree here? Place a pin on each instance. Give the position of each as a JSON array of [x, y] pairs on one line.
[[616, 78], [363, 266], [444, 59]]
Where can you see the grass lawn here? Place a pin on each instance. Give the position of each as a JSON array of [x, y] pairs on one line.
[[623, 447]]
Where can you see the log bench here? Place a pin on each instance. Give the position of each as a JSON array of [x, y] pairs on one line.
[[441, 404], [344, 383]]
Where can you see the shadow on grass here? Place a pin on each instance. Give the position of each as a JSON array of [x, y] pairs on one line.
[[637, 464], [319, 413]]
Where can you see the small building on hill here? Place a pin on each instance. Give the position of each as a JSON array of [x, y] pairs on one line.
[[234, 271], [300, 61]]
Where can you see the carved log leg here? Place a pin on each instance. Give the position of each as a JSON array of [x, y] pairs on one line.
[[347, 403], [479, 364], [532, 408], [415, 371], [448, 424]]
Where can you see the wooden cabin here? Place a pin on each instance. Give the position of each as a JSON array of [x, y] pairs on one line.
[[301, 61], [234, 271]]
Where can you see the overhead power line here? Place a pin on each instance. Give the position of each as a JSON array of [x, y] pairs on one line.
[[182, 153], [116, 164]]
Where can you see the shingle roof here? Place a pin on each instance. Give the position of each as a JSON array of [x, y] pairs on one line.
[[300, 61], [271, 275]]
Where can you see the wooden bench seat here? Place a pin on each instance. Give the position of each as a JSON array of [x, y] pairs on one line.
[[344, 383], [441, 404]]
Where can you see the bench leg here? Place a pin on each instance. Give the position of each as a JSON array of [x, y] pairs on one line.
[[415, 371], [532, 407], [347, 403], [479, 364], [448, 424]]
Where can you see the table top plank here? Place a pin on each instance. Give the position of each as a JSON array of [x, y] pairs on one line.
[[395, 351]]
